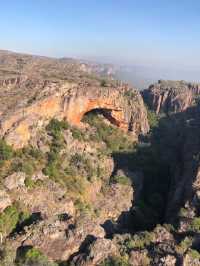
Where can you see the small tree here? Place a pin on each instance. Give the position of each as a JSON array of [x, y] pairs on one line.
[[6, 151]]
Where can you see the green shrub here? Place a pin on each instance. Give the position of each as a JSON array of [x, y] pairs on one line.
[[7, 255], [6, 151], [124, 180], [184, 245], [183, 212], [82, 207], [8, 220], [27, 160], [140, 240], [12, 218], [55, 127], [29, 183], [194, 254], [115, 138], [78, 134], [195, 225], [130, 94], [33, 256], [52, 170], [36, 153], [26, 165], [115, 261], [153, 118], [81, 164]]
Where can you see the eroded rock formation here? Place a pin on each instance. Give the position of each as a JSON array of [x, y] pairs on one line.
[[63, 100], [171, 96], [185, 190]]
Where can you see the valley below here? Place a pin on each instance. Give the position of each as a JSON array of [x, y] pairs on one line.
[[94, 171]]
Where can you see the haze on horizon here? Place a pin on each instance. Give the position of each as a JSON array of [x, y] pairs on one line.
[[160, 39]]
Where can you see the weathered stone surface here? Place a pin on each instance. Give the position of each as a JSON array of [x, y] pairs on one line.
[[59, 239], [184, 190], [63, 100], [100, 249], [117, 199], [15, 180], [139, 258], [39, 176], [168, 260], [171, 96], [5, 200], [48, 199], [162, 235]]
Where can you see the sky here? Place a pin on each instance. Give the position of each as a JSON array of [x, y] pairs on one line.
[[151, 33]]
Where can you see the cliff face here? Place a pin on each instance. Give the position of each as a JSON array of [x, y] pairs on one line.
[[184, 190], [63, 100], [171, 96]]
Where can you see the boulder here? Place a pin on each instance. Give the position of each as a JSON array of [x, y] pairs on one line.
[[97, 252], [15, 180], [168, 260], [5, 200], [39, 176]]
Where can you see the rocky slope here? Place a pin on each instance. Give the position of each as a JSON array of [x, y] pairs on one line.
[[60, 188], [14, 64], [33, 96], [82, 179], [57, 196], [171, 96]]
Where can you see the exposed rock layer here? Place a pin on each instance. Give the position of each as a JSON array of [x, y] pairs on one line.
[[171, 96], [63, 100]]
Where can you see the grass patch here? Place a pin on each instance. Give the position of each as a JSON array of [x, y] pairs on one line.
[[123, 180], [6, 151], [8, 220]]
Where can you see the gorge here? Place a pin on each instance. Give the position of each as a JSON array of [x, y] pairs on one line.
[[93, 172]]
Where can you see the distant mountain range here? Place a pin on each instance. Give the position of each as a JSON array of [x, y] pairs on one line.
[[137, 75]]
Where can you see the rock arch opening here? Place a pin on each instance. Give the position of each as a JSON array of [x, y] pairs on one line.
[[105, 113]]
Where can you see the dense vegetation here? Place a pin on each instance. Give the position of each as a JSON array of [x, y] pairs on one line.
[[114, 138]]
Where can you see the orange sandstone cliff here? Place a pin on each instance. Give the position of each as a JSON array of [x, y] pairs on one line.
[[121, 105]]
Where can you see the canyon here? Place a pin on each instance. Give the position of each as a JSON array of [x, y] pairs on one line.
[[93, 172]]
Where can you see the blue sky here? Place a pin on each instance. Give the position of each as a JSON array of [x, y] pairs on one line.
[[145, 32]]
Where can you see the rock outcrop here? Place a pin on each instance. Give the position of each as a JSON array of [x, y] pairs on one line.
[[171, 96], [97, 251], [185, 175], [5, 200], [63, 100], [15, 180]]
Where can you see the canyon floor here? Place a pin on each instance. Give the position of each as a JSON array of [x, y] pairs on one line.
[[94, 172]]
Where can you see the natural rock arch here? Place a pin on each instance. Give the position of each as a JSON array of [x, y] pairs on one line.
[[107, 114], [71, 102], [115, 114]]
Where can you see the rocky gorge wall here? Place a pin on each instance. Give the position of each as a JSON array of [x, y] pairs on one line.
[[124, 108], [171, 96]]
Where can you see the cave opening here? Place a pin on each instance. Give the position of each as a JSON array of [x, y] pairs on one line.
[[105, 113]]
